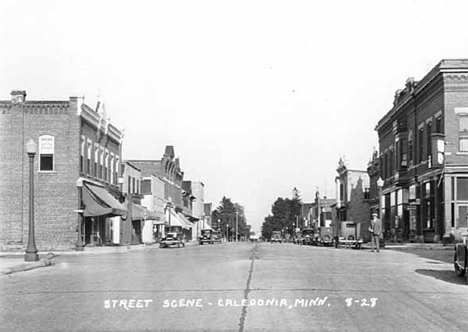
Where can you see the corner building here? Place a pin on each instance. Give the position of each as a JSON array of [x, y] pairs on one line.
[[76, 145], [423, 160]]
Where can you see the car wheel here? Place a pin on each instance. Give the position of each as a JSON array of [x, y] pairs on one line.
[[459, 271]]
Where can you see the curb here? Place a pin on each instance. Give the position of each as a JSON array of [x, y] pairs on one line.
[[27, 266], [95, 250]]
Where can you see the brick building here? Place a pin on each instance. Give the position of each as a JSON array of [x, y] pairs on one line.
[[76, 145], [169, 171], [423, 143], [352, 198]]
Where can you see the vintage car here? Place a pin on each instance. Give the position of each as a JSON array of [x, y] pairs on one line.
[[349, 235], [325, 236], [461, 258], [207, 236], [276, 237], [307, 236], [172, 239], [217, 236]]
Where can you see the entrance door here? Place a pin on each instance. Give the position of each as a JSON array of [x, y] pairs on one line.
[[462, 217]]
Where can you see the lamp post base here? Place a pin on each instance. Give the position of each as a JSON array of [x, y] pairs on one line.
[[31, 257]]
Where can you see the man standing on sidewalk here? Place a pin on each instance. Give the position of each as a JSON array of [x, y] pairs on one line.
[[375, 229]]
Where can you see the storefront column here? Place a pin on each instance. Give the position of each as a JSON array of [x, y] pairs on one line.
[[447, 185]]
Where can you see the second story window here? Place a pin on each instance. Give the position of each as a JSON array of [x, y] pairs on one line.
[[46, 153], [438, 127], [403, 163], [89, 154], [421, 145], [429, 140], [463, 133], [410, 148]]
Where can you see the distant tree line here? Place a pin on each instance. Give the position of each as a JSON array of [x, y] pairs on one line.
[[285, 213], [224, 219]]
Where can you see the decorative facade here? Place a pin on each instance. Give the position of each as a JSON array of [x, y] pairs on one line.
[[79, 152], [423, 144]]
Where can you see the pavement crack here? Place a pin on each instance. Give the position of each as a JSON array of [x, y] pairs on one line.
[[253, 256]]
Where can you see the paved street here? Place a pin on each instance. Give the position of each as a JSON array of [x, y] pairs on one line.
[[237, 287]]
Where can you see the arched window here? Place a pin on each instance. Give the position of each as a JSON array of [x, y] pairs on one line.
[[46, 153]]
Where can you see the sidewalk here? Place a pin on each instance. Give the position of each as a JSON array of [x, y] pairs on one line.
[[13, 261], [410, 245]]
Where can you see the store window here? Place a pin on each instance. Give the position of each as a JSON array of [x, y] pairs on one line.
[[462, 189], [46, 153]]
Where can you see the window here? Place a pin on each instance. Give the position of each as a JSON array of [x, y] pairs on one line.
[[421, 145], [429, 140], [88, 160], [46, 153], [410, 147], [438, 128], [96, 160], [462, 189], [403, 154], [463, 133], [106, 166], [82, 153], [391, 157], [117, 167], [133, 186], [366, 193], [101, 163]]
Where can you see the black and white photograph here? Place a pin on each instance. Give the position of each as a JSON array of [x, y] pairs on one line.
[[238, 166]]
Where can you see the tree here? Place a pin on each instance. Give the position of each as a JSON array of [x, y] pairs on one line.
[[226, 215], [285, 215]]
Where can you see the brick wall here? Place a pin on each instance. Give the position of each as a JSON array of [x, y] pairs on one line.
[[55, 192]]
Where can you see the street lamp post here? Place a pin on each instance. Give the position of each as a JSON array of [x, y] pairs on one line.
[[79, 242], [31, 250], [380, 184]]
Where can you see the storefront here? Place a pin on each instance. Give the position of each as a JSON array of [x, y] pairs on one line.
[[102, 214]]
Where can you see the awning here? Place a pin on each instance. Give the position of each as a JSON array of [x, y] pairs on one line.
[[185, 220], [98, 201], [206, 226], [157, 217], [138, 212], [190, 218], [177, 220]]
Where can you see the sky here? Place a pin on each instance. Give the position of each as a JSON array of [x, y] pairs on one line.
[[257, 97]]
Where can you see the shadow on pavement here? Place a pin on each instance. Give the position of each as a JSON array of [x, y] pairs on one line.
[[444, 275]]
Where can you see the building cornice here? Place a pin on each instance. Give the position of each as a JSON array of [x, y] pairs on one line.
[[456, 67]]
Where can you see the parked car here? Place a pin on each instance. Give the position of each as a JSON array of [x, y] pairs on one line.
[[325, 236], [307, 236], [461, 258], [217, 236], [172, 239], [207, 236], [276, 237]]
